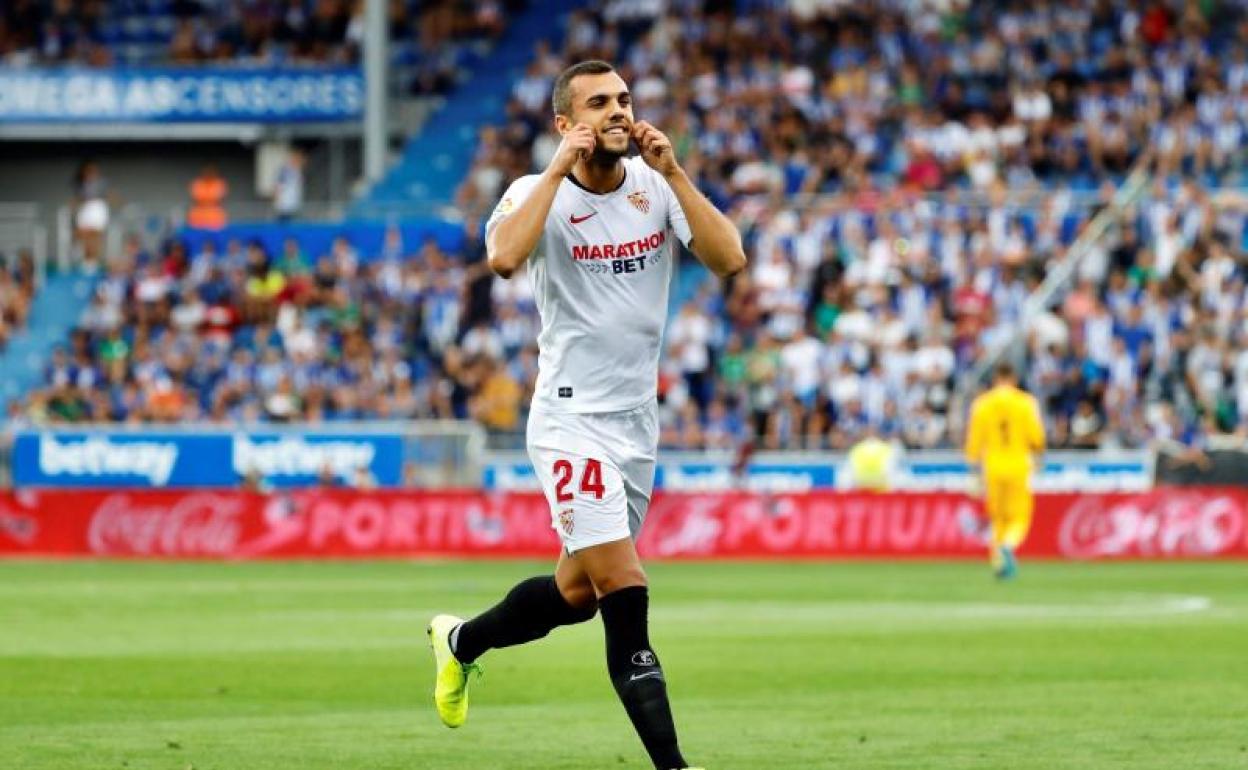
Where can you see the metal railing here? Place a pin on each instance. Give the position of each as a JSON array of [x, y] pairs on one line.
[[1056, 281], [152, 222], [1058, 277]]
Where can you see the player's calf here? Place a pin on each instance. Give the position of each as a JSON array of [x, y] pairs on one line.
[[637, 675], [530, 611]]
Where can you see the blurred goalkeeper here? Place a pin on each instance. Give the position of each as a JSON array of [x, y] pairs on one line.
[[1005, 436]]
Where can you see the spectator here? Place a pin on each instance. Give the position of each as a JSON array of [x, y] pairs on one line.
[[288, 187], [497, 403], [91, 212], [1085, 426], [208, 192], [688, 345], [16, 295], [265, 284]]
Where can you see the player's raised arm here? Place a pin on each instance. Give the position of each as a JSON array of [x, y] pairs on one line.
[[511, 241], [715, 240]]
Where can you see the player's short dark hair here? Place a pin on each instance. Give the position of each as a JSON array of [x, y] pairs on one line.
[[561, 98], [1005, 371]]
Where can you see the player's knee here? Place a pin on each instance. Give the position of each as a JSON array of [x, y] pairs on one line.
[[581, 600], [620, 579], [583, 614]]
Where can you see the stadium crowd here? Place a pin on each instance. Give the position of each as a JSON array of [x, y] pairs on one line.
[[904, 174], [17, 291], [428, 38]]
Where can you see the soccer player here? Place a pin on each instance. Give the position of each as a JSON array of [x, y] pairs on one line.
[[1005, 435], [595, 229]]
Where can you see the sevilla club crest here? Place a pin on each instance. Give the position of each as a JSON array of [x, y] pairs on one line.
[[565, 520], [640, 201]]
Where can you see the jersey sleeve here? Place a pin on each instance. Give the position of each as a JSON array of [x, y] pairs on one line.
[[515, 195], [676, 220]]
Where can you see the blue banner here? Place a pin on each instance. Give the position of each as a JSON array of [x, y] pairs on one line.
[[762, 476], [207, 460], [180, 95], [691, 476], [1060, 472], [318, 237]]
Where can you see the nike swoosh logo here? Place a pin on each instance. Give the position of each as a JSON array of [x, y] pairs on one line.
[[577, 220], [635, 677]]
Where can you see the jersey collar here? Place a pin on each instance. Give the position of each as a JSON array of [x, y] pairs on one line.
[[616, 189]]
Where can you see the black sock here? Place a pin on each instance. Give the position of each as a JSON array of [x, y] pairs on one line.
[[528, 612], [636, 674]]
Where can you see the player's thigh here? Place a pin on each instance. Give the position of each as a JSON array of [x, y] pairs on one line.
[[1022, 501], [639, 464], [995, 492], [1023, 498], [573, 582], [582, 484], [638, 487], [612, 566], [1013, 494]]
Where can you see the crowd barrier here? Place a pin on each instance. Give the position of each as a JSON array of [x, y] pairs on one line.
[[201, 457], [926, 471], [1209, 522]]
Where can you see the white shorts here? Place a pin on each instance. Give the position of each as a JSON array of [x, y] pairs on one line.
[[596, 470]]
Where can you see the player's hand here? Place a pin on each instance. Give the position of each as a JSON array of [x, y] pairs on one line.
[[975, 486], [656, 148], [577, 144]]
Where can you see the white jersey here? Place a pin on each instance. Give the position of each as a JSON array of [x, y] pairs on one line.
[[601, 273]]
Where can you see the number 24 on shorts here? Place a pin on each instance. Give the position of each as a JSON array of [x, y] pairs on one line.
[[591, 480]]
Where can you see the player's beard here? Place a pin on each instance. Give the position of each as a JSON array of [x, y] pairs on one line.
[[604, 157]]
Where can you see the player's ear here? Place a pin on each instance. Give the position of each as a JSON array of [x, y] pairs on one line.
[[563, 124]]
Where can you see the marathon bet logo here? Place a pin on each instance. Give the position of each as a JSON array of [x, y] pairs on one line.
[[621, 258]]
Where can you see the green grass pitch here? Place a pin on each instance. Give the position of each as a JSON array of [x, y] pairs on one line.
[[844, 665]]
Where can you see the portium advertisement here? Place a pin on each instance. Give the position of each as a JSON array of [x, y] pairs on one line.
[[1165, 523]]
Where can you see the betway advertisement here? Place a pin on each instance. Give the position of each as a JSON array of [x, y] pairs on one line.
[[102, 459], [1165, 523]]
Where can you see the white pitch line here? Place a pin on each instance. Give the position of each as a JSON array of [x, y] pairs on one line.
[[1135, 606], [1132, 605]]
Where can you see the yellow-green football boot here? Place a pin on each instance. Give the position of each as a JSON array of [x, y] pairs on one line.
[[450, 691]]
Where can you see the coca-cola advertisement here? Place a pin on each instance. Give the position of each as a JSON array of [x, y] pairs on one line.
[[1170, 522], [1163, 523]]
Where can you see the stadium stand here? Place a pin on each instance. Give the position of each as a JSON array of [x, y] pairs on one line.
[[904, 179], [433, 44], [17, 293]]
